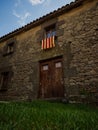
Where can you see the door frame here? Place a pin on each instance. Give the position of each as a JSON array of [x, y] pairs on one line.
[[47, 60]]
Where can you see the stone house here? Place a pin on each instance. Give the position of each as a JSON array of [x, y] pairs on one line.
[[54, 56]]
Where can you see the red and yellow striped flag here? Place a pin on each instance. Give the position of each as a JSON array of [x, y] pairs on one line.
[[42, 44], [48, 43]]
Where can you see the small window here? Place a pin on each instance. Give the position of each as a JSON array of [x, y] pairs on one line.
[[45, 67], [4, 78], [9, 49], [58, 64]]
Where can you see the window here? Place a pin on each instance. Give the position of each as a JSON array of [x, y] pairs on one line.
[[49, 39], [50, 31], [45, 67], [4, 78], [9, 49], [58, 65]]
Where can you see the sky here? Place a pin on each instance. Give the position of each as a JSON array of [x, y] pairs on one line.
[[17, 13]]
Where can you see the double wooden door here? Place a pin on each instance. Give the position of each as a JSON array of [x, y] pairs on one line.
[[51, 79]]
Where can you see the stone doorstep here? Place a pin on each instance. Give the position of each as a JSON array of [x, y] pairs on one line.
[[61, 99]]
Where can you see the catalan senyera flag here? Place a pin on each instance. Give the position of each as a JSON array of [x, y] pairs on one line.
[[48, 43]]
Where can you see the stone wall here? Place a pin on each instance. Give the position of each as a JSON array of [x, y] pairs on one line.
[[77, 42], [81, 30]]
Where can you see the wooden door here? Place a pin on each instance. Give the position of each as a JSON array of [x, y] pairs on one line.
[[51, 79]]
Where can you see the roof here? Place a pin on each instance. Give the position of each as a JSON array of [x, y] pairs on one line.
[[40, 20]]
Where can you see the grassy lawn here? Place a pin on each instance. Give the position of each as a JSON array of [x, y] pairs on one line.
[[41, 115]]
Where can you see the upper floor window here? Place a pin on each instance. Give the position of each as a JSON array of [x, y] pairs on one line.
[[50, 31], [9, 48], [49, 39]]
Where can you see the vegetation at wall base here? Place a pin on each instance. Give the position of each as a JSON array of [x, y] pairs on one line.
[[43, 115]]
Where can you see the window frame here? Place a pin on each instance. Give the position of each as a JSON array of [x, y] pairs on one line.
[[50, 30], [9, 48]]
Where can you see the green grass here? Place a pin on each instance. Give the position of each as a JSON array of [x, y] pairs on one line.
[[41, 115]]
